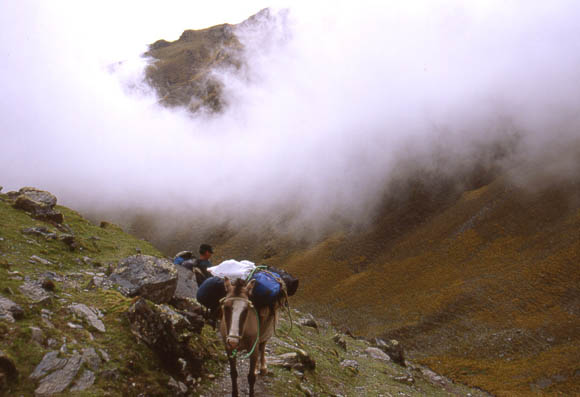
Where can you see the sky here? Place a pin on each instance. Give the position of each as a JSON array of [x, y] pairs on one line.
[[339, 99]]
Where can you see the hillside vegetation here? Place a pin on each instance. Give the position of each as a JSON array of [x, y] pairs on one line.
[[39, 256], [482, 286]]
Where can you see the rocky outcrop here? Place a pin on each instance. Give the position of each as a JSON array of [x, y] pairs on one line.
[[146, 276], [9, 310], [39, 203], [167, 333]]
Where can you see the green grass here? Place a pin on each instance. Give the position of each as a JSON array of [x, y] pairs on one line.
[[133, 361]]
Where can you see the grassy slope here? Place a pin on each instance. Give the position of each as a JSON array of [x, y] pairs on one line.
[[484, 289], [137, 367], [134, 363]]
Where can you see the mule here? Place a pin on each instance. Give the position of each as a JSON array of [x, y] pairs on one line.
[[244, 327]]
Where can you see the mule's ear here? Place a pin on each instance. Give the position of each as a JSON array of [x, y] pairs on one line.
[[250, 287], [227, 284]]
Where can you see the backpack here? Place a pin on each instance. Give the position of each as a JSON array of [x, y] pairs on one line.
[[290, 281], [182, 257], [267, 288], [210, 292]]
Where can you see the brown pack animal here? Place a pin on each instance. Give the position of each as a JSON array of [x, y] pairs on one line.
[[245, 327]]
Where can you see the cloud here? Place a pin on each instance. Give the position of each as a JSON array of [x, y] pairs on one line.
[[336, 99]]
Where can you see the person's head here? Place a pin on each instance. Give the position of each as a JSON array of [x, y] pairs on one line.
[[205, 251]]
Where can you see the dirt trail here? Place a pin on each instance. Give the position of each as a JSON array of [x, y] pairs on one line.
[[222, 385]]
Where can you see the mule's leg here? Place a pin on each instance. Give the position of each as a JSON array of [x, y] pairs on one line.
[[252, 373], [263, 364], [233, 375]]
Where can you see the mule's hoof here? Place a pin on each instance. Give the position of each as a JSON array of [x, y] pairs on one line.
[[263, 371]]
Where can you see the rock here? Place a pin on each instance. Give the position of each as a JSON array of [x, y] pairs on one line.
[[9, 310], [8, 369], [394, 350], [85, 381], [104, 355], [178, 388], [308, 322], [36, 335], [69, 240], [39, 203], [167, 333], [59, 380], [40, 260], [350, 364], [40, 231], [91, 358], [35, 292], [186, 286], [147, 276], [51, 276], [89, 315], [377, 353], [192, 310], [50, 362], [405, 379], [299, 360], [340, 341], [97, 282]]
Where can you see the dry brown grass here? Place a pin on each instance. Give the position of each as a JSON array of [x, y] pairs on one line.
[[484, 287]]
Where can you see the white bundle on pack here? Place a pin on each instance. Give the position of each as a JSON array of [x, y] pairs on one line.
[[233, 269]]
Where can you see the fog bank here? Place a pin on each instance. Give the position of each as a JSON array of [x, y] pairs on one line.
[[336, 101]]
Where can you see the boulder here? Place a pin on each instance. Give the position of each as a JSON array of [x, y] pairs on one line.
[[91, 358], [308, 321], [168, 334], [9, 310], [186, 285], [34, 291], [59, 380], [394, 350], [89, 315], [377, 354], [299, 360], [8, 370], [50, 362], [192, 310], [85, 381], [147, 276], [39, 203]]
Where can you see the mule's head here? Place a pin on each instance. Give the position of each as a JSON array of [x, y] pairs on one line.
[[235, 308]]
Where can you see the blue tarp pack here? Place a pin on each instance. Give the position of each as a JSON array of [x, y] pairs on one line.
[[267, 288]]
